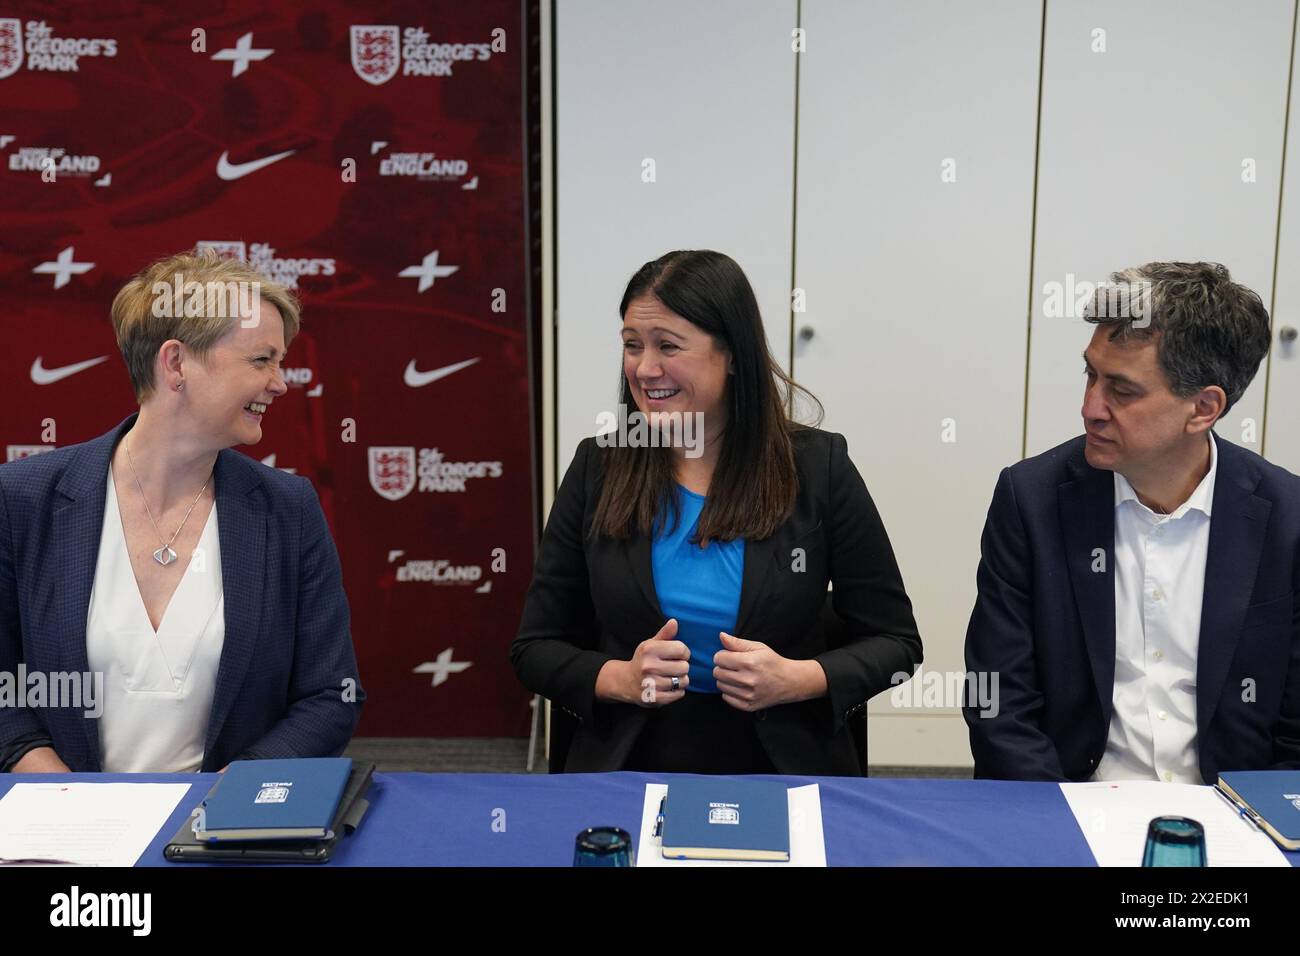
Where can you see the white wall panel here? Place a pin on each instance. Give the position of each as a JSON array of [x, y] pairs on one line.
[[917, 289], [707, 92]]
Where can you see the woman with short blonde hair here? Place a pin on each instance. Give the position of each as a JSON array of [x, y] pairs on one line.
[[200, 589], [194, 297]]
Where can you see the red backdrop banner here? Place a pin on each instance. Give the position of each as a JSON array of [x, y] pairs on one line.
[[370, 156]]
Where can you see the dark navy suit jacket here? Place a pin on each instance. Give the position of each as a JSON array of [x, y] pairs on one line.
[[281, 688], [1045, 619]]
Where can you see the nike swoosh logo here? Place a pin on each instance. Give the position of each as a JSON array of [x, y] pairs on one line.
[[48, 376], [419, 379], [231, 171]]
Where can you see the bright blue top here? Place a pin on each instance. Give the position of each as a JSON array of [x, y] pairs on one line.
[[700, 587]]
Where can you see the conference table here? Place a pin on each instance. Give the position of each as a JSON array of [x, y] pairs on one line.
[[429, 819]]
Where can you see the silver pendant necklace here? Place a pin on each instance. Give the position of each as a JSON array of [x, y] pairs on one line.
[[164, 555]]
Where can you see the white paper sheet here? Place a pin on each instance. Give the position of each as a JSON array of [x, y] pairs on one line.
[[88, 824], [1114, 817], [807, 843]]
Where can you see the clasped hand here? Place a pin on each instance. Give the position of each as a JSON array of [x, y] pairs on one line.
[[750, 675]]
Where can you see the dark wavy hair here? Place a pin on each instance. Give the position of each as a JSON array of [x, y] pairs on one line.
[[754, 484], [1209, 330]]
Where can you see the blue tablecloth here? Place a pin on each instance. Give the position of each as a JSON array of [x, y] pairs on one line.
[[419, 819]]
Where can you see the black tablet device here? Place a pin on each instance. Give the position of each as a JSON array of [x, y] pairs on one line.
[[185, 847]]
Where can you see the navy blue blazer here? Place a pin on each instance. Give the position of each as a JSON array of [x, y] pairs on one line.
[[1045, 620], [281, 688]]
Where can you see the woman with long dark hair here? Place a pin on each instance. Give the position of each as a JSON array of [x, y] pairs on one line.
[[676, 607]]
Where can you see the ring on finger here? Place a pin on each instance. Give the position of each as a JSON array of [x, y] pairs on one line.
[[677, 683]]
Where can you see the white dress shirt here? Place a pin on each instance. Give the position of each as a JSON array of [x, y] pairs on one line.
[[158, 687], [1159, 587]]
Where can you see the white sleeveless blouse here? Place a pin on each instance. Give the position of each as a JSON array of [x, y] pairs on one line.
[[158, 687]]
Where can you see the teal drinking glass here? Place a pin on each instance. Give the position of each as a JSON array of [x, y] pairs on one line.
[[603, 846], [1174, 841]]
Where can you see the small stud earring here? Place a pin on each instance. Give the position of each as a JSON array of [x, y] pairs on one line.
[[180, 386]]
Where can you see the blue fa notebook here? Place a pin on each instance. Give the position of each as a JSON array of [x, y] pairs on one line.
[[1270, 798], [275, 799], [726, 818]]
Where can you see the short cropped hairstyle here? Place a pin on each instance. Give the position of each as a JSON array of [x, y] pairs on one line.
[[194, 297], [1209, 330]]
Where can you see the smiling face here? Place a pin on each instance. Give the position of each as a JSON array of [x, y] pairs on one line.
[[1133, 420], [242, 368], [671, 364]]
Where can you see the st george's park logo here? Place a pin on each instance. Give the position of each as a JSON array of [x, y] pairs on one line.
[[44, 50], [380, 52], [376, 53], [396, 471], [11, 46], [392, 472]]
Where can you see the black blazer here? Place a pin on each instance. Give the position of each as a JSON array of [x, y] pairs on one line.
[[1045, 620], [593, 600]]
